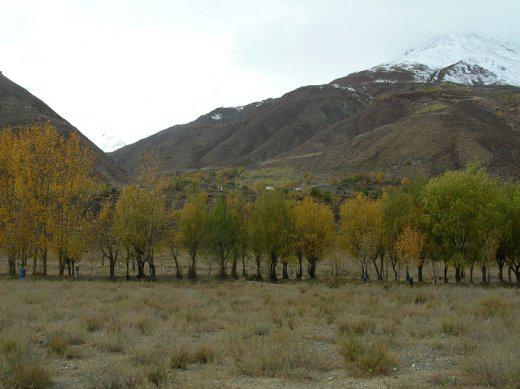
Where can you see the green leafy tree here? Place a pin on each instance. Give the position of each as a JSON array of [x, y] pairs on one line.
[[271, 222], [221, 233], [460, 209]]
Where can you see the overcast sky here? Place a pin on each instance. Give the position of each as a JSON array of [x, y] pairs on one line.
[[131, 68]]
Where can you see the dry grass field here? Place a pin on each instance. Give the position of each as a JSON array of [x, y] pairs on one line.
[[249, 334]]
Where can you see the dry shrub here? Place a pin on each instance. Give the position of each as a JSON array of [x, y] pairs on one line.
[[367, 358], [93, 323], [453, 326], [57, 344], [181, 356], [22, 367], [495, 366], [113, 376], [490, 306], [205, 352], [351, 324], [278, 355], [108, 343], [157, 375], [143, 324]]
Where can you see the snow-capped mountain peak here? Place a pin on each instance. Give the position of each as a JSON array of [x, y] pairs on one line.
[[108, 142], [464, 59]]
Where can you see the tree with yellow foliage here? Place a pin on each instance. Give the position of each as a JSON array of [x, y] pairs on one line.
[[105, 234], [409, 248], [139, 224], [362, 230], [47, 180], [192, 226], [314, 228]]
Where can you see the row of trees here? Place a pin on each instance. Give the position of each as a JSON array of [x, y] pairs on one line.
[[50, 201]]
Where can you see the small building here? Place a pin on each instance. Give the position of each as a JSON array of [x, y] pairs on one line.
[[269, 187]]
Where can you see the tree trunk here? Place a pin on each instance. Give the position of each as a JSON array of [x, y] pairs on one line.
[[434, 271], [272, 270], [112, 269], [192, 271], [285, 273], [44, 263], [471, 274], [151, 267], [378, 271], [35, 264], [140, 268], [234, 265], [244, 270], [299, 272], [11, 262], [445, 272], [178, 273], [484, 274], [223, 269], [61, 264], [509, 275], [420, 273], [458, 274], [258, 261], [312, 269], [127, 267], [393, 261]]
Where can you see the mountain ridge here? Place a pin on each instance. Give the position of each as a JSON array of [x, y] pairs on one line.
[[438, 117]]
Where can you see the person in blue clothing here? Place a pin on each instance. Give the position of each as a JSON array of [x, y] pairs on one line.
[[21, 272]]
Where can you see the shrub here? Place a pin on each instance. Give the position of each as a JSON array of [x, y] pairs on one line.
[[490, 306], [181, 356], [367, 358], [277, 355], [497, 367], [205, 352], [355, 325], [21, 367], [113, 376], [93, 323], [157, 375], [57, 344]]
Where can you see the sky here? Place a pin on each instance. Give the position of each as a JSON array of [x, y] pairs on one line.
[[125, 69]]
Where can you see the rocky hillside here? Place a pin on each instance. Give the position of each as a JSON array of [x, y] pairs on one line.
[[19, 108], [436, 108]]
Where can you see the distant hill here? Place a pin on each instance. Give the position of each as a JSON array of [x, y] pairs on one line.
[[460, 104], [19, 108]]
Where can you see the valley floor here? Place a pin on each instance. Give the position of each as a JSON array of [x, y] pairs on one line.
[[251, 334]]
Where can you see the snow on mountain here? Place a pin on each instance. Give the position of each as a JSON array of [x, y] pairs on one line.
[[471, 59], [108, 143]]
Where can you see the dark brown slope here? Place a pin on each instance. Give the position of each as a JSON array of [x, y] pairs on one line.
[[19, 108], [246, 135], [356, 123], [425, 130]]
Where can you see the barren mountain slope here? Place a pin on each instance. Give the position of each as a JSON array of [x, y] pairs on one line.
[[402, 117]]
